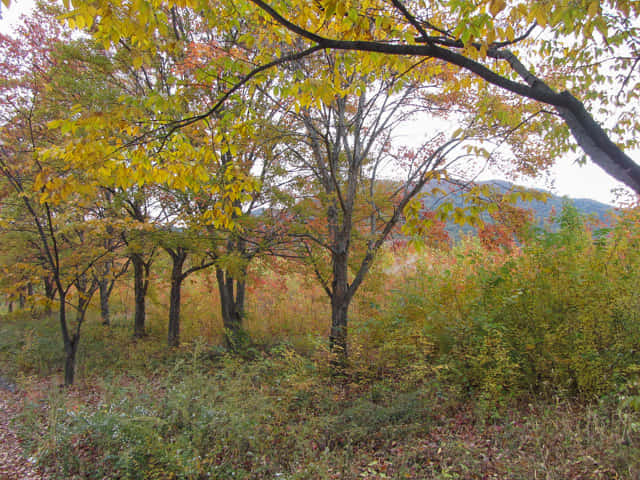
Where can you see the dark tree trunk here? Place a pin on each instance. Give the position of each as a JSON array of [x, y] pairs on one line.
[[232, 296], [104, 301], [70, 342], [10, 306], [105, 284], [141, 283], [178, 257], [49, 288], [49, 292], [339, 332], [71, 348], [340, 301], [21, 301]]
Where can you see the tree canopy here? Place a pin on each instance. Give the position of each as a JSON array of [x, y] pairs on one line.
[[173, 121], [577, 62]]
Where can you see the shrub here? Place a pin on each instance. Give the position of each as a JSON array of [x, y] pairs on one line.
[[560, 317]]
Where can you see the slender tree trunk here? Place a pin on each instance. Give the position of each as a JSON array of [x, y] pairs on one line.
[[232, 298], [177, 277], [85, 292], [70, 342], [49, 292], [141, 282], [49, 288], [103, 285], [340, 301], [33, 310], [10, 306], [70, 361]]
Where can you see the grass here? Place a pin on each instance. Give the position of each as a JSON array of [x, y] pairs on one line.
[[205, 415], [434, 389]]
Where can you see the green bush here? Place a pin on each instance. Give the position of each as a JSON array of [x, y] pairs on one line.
[[561, 317]]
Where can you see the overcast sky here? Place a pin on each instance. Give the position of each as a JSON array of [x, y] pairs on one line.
[[587, 181], [18, 7]]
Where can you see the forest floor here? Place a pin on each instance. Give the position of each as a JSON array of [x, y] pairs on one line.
[[13, 464], [272, 427]]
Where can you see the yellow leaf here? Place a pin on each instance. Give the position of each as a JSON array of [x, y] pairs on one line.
[[541, 16], [593, 8], [624, 8], [510, 33], [6, 3], [496, 6]]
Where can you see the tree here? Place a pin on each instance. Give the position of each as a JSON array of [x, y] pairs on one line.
[[21, 258], [585, 47], [345, 149], [179, 244], [242, 143], [56, 211], [111, 270], [95, 80], [70, 241], [473, 36]]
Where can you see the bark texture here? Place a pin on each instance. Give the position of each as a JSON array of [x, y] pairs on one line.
[[178, 258], [232, 297], [105, 292], [140, 286]]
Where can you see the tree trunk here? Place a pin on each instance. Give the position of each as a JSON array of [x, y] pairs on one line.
[[70, 361], [178, 257], [340, 300], [232, 296], [141, 282], [103, 284], [49, 292], [70, 343], [85, 293]]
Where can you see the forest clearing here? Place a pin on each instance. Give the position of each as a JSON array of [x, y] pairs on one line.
[[457, 370], [254, 239]]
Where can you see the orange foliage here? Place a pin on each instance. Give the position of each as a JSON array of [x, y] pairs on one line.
[[510, 225]]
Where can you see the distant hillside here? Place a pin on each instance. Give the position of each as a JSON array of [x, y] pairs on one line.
[[541, 210]]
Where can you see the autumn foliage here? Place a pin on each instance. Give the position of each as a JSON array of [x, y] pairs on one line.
[[221, 200]]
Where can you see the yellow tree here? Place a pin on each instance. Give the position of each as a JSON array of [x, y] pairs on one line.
[[206, 164], [68, 237], [575, 61], [355, 180], [581, 47], [129, 148], [245, 25]]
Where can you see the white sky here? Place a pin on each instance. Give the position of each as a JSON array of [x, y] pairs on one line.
[[565, 178], [9, 17], [586, 181], [575, 181]]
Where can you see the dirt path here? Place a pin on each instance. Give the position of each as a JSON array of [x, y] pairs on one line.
[[13, 465]]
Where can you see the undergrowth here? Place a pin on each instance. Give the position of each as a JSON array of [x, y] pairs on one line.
[[463, 364]]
